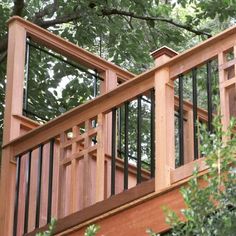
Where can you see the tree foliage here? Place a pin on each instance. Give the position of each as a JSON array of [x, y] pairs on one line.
[[210, 209], [121, 31]]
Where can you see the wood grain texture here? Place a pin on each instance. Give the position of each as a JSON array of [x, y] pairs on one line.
[[164, 133], [103, 207], [68, 49]]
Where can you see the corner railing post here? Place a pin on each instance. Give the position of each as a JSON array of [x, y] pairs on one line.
[[15, 80], [164, 113], [13, 101]]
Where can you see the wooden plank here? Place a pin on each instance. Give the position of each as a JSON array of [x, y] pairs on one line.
[[12, 129], [228, 83], [99, 208], [87, 170], [100, 160], [68, 49], [186, 170], [80, 137], [15, 81], [227, 64], [109, 84], [26, 121], [79, 114], [188, 138], [7, 192], [62, 179], [224, 98], [201, 53], [164, 133], [90, 150], [74, 169]]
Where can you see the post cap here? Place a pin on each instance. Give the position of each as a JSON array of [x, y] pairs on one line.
[[163, 51]]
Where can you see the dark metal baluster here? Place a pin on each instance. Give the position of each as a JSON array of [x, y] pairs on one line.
[[126, 160], [27, 192], [181, 122], [18, 172], [195, 125], [95, 82], [27, 76], [113, 152], [209, 96], [120, 133], [139, 140], [152, 133], [39, 183], [50, 180]]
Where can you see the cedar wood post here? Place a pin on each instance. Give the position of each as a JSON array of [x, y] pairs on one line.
[[104, 137], [164, 118], [164, 132], [13, 101]]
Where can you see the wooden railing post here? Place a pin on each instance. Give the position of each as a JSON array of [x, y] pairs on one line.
[[13, 101], [109, 84], [7, 199], [164, 113], [227, 85], [224, 98], [15, 80]]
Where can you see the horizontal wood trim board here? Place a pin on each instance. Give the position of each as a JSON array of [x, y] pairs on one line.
[[66, 48], [132, 169], [186, 171], [188, 106], [178, 64], [27, 121], [102, 207], [102, 104]]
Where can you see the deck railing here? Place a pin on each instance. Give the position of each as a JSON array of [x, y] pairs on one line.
[[71, 162]]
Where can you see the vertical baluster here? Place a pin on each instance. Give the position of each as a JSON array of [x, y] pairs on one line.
[[113, 152], [95, 82], [195, 126], [152, 132], [18, 172], [120, 131], [25, 107], [209, 96], [27, 192], [126, 154], [51, 156], [139, 140], [39, 185], [181, 122]]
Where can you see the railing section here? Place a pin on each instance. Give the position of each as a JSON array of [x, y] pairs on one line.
[[97, 150], [203, 91]]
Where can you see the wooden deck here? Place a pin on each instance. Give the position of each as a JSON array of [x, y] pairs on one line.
[[56, 169]]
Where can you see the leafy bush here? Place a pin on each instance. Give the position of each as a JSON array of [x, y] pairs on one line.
[[51, 227], [91, 230], [210, 209]]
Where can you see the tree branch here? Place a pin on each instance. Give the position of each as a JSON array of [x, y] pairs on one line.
[[109, 12], [49, 10], [60, 20], [3, 45], [17, 10], [18, 7], [3, 56]]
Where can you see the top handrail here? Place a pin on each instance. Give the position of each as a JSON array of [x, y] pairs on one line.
[[69, 49], [177, 65], [88, 110]]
